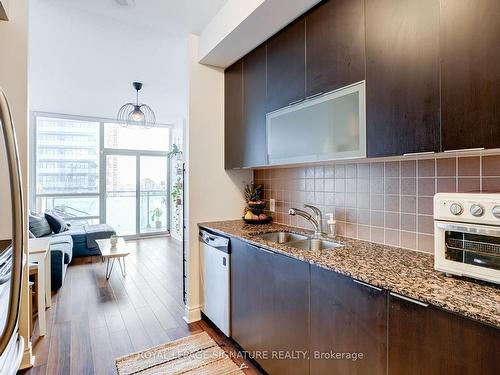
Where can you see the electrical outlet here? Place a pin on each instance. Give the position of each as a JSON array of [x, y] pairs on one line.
[[272, 205]]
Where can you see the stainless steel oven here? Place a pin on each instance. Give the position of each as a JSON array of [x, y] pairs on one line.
[[467, 235]]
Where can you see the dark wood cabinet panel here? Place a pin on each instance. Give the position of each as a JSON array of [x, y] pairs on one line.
[[289, 324], [244, 294], [254, 108], [286, 66], [251, 296], [233, 116], [347, 317], [270, 306], [430, 341], [402, 77], [335, 45], [470, 73]]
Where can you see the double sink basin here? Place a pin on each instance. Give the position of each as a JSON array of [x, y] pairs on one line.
[[298, 241]]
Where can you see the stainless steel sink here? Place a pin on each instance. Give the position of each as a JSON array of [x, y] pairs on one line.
[[314, 244], [298, 241], [281, 237]]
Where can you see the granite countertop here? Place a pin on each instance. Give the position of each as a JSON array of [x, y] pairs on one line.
[[405, 272]]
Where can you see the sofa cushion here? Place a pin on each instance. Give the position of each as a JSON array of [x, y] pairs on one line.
[[63, 244], [39, 226], [57, 224], [97, 232], [77, 234], [61, 239]]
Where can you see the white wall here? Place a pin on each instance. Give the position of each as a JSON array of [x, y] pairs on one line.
[[213, 193], [83, 64], [14, 81]]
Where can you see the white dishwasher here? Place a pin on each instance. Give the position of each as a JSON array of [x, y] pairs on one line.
[[214, 269]]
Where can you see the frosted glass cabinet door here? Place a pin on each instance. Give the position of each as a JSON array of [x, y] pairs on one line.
[[329, 127]]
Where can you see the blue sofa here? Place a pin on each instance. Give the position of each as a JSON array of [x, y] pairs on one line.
[[78, 241], [61, 254]]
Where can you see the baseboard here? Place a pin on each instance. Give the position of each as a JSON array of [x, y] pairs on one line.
[[28, 360], [192, 314]]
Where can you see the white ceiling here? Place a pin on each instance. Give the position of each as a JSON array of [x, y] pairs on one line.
[[175, 17]]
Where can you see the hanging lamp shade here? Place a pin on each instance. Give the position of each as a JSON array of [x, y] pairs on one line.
[[136, 114]]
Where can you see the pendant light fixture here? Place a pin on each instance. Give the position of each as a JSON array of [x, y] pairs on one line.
[[136, 114]]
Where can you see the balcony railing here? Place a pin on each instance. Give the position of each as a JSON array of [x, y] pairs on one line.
[[85, 208]]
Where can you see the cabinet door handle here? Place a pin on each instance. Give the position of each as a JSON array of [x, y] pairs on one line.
[[261, 249], [314, 95], [367, 285], [410, 299], [419, 153], [295, 102], [466, 149]]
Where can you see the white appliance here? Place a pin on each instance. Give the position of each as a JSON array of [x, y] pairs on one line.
[[214, 251], [467, 235], [11, 250]]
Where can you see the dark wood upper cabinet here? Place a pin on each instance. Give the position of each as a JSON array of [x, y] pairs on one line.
[[470, 73], [347, 317], [402, 76], [254, 108], [233, 116], [335, 45], [430, 341], [286, 66]]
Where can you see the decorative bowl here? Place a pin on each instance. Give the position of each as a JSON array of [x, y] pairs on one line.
[[256, 222]]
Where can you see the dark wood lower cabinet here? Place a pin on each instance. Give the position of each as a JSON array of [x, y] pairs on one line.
[[429, 341], [289, 324], [270, 308], [282, 307], [348, 319], [251, 297]]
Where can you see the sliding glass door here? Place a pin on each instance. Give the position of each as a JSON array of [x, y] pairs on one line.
[[136, 199], [153, 194], [121, 193]]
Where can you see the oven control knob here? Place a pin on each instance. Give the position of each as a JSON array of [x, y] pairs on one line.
[[476, 210], [496, 211], [456, 209]]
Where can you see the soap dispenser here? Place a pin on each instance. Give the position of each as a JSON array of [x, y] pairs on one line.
[[331, 225]]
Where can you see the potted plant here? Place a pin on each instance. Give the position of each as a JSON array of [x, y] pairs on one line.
[[156, 216], [174, 152], [176, 192]]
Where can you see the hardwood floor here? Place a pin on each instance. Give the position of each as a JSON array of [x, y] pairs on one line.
[[92, 321]]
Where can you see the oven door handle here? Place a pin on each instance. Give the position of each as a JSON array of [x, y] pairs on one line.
[[18, 225], [473, 229]]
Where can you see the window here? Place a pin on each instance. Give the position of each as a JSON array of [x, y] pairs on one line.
[[92, 170], [132, 138], [67, 156], [67, 168]]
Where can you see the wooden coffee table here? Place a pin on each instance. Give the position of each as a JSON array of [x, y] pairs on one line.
[[112, 253]]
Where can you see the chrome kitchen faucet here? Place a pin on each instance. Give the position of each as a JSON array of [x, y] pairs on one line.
[[316, 221]]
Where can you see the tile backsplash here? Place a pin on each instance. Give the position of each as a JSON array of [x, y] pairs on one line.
[[389, 202]]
